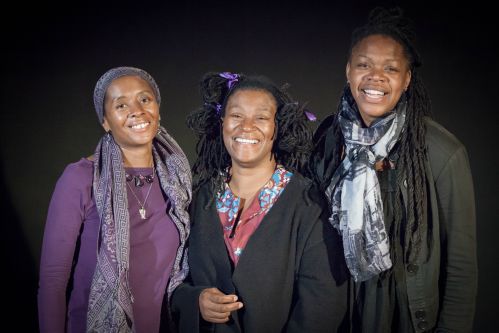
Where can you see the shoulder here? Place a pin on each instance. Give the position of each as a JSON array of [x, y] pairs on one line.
[[439, 139], [322, 135], [201, 197], [441, 145], [305, 190], [78, 174], [299, 183], [323, 127]]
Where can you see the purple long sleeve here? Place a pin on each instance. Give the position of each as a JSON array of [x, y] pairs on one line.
[[70, 247]]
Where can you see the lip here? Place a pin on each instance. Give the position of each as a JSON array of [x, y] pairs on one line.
[[245, 141], [139, 126], [373, 94]]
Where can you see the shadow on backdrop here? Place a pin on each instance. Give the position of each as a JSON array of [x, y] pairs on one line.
[[19, 267]]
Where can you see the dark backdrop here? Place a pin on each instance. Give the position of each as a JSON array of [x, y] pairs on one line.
[[53, 56]]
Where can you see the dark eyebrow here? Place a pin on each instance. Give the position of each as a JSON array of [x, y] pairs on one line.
[[140, 92]]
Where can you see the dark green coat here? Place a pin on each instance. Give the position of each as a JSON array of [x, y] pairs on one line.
[[441, 288]]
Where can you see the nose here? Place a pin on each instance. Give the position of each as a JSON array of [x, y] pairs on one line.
[[376, 75], [135, 110], [248, 124]]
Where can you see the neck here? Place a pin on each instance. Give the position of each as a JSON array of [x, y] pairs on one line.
[[137, 158], [245, 182]]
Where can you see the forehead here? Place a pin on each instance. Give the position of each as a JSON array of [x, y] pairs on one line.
[[127, 83], [252, 96], [379, 45]]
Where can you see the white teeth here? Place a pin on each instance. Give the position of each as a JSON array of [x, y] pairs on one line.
[[139, 126], [374, 92], [241, 140]]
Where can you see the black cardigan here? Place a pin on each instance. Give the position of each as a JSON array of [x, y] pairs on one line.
[[291, 276]]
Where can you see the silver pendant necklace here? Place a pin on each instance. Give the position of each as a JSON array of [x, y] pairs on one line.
[[149, 179], [142, 209]]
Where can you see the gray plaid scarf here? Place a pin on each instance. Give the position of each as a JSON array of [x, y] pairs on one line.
[[110, 300], [354, 192]]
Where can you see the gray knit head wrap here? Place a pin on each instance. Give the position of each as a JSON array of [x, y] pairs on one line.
[[111, 75]]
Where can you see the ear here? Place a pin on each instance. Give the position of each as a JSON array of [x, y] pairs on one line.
[[347, 70], [105, 124], [408, 79]]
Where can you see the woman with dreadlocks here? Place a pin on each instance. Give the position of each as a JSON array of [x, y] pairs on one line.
[[263, 257], [114, 242], [400, 191]]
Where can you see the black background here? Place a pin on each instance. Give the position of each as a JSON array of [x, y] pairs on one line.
[[53, 55]]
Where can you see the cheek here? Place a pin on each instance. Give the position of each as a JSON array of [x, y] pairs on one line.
[[271, 132], [228, 126], [226, 142], [225, 135], [398, 92]]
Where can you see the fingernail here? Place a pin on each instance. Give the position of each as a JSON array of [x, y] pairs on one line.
[[235, 298], [240, 305]]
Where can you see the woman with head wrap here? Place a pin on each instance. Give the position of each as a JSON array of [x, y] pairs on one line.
[[400, 190], [262, 256], [114, 242]]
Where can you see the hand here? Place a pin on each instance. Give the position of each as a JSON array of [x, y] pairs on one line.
[[215, 306]]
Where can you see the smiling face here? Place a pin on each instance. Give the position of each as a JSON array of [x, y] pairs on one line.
[[378, 73], [248, 128], [131, 112]]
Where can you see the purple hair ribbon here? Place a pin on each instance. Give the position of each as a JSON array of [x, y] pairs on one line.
[[310, 116], [217, 107], [231, 78]]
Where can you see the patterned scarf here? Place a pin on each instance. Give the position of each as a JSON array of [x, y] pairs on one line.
[[354, 192], [110, 300]]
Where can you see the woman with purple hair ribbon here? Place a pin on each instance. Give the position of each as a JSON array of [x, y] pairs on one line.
[[262, 255]]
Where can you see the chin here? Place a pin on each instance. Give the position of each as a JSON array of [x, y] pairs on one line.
[[375, 112]]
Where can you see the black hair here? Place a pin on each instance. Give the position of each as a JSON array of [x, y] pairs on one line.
[[411, 147], [292, 140]]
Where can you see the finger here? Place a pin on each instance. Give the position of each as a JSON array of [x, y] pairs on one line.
[[216, 321], [221, 298], [222, 308], [217, 315]]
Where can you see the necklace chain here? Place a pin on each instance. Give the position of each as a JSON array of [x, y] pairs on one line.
[[142, 210]]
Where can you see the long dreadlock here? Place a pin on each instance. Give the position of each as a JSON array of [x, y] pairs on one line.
[[292, 137], [411, 147]]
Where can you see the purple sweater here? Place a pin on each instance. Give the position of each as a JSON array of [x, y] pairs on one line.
[[70, 240]]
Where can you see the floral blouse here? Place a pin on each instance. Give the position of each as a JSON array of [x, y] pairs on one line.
[[228, 209]]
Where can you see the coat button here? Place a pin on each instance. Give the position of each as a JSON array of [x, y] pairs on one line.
[[412, 269], [420, 314], [423, 325]]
